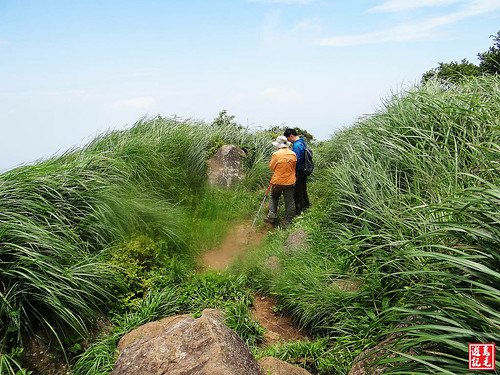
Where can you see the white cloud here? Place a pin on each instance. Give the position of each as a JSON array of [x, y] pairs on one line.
[[141, 73], [414, 30], [482, 6], [291, 2], [407, 5], [277, 35], [282, 94], [309, 25], [141, 102]]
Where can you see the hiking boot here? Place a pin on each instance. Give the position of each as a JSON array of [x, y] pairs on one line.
[[270, 220]]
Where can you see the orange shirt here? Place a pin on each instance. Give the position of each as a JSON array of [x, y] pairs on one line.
[[283, 164]]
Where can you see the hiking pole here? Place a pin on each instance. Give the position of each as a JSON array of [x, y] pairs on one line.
[[261, 205]]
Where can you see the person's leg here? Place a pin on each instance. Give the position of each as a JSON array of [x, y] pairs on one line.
[[288, 195], [307, 204], [273, 204], [300, 195]]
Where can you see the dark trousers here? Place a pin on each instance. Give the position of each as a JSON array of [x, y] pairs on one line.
[[287, 191], [300, 196]]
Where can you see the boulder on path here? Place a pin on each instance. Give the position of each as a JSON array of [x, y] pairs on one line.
[[185, 345], [274, 366], [296, 241], [225, 168], [273, 264], [366, 362]]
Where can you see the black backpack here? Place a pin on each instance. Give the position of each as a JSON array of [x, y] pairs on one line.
[[308, 162]]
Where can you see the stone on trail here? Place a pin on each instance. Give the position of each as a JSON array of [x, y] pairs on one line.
[[185, 345], [296, 241], [365, 363], [273, 264], [274, 366]]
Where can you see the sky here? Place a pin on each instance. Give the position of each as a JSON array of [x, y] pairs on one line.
[[70, 70]]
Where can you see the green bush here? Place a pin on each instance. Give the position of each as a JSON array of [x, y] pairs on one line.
[[140, 261]]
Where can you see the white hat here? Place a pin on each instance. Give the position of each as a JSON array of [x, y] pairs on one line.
[[281, 142]]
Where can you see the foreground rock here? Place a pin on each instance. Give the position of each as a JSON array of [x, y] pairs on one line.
[[366, 362], [185, 345], [225, 168], [274, 366], [296, 241]]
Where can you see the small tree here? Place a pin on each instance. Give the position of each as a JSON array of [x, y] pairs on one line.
[[276, 130], [490, 60], [224, 119], [453, 72]]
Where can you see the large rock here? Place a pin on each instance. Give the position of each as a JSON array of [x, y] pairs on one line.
[[225, 168], [185, 345], [273, 264], [296, 241], [274, 366], [366, 362]]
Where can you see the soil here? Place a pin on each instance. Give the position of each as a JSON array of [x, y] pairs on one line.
[[242, 237], [279, 328], [41, 357], [239, 239]]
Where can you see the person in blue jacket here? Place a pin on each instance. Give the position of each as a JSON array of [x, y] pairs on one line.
[[299, 146]]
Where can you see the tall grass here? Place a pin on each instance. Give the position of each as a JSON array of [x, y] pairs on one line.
[[408, 203], [59, 217], [407, 213], [214, 209]]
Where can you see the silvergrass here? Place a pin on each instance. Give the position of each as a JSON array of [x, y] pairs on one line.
[[407, 211], [59, 217]]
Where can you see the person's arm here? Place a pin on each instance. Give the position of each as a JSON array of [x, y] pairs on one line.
[[273, 162], [298, 148]]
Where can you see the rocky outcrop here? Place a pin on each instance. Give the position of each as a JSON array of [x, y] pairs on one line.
[[185, 345], [347, 285], [225, 168], [296, 241], [366, 362], [273, 264], [274, 366]]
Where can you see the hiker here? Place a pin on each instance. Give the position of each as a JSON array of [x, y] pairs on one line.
[[299, 145], [282, 164]]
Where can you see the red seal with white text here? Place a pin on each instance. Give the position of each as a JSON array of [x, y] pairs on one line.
[[482, 356]]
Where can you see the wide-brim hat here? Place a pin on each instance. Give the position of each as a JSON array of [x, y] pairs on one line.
[[281, 142]]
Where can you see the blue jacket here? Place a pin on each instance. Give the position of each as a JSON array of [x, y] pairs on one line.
[[299, 147]]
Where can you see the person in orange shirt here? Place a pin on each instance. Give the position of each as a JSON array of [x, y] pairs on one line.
[[282, 164]]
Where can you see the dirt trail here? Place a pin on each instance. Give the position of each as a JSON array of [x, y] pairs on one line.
[[241, 238], [237, 241], [278, 327]]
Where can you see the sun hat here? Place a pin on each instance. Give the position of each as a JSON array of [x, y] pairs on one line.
[[281, 142]]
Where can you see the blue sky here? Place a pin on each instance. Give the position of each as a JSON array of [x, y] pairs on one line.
[[72, 69]]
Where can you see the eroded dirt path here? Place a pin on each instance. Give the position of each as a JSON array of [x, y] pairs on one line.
[[279, 328], [241, 238]]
